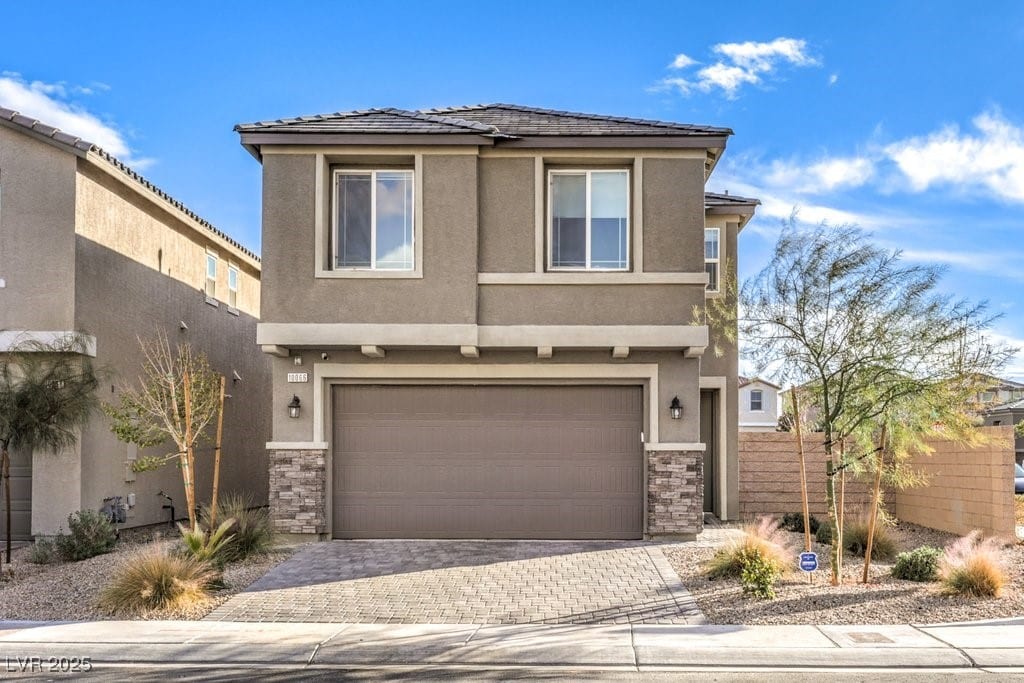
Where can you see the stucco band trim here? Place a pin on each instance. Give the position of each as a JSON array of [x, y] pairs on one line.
[[555, 278]]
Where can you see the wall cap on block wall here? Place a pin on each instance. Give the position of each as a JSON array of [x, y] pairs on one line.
[[296, 445]]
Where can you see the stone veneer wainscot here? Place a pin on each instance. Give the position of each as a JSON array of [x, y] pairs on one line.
[[298, 487], [675, 493]]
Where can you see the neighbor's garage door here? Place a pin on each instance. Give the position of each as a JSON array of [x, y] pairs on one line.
[[487, 462], [21, 498]]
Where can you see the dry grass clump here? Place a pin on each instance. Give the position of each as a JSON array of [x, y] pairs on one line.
[[765, 540], [252, 530], [973, 566], [855, 539], [157, 579]]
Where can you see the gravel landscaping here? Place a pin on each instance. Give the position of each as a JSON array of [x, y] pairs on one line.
[[883, 601], [68, 591]]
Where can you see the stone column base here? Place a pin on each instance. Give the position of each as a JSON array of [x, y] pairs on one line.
[[675, 494], [298, 491]]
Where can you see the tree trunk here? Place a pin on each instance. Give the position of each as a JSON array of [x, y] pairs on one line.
[[803, 470], [833, 518], [216, 459], [5, 472], [188, 472], [875, 499], [842, 510]]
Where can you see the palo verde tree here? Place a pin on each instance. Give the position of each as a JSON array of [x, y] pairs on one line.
[[47, 393], [863, 331], [177, 397]]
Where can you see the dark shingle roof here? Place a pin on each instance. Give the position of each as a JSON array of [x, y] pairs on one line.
[[713, 199], [82, 147], [494, 120]]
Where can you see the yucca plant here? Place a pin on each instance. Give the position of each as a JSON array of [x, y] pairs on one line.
[[208, 546], [156, 579], [252, 528]]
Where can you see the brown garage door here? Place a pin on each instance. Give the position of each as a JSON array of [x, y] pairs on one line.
[[487, 462], [21, 498]]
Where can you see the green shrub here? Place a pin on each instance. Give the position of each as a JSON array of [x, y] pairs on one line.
[[759, 576], [155, 579], [794, 521], [765, 541], [253, 531], [43, 551], [973, 566], [919, 564], [855, 540], [208, 546], [824, 533], [89, 534]]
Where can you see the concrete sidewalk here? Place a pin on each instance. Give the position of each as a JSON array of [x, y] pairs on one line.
[[623, 647]]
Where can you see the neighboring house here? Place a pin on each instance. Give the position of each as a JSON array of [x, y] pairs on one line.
[[759, 405], [1010, 413], [480, 319], [1001, 391], [88, 244]]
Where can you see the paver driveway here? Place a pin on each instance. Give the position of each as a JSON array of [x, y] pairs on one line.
[[475, 582]]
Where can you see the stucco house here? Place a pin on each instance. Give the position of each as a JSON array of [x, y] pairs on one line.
[[758, 405], [480, 320], [87, 244], [1010, 413]]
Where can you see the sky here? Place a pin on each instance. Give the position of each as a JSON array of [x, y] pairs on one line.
[[906, 118]]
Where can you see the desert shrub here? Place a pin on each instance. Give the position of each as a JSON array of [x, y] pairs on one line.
[[765, 540], [759, 575], [855, 539], [919, 564], [973, 566], [89, 534], [824, 534], [208, 546], [253, 531], [156, 579], [43, 551], [794, 521]]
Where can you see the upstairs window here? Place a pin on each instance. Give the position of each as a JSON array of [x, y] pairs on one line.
[[756, 400], [712, 258], [373, 220], [232, 286], [211, 275], [588, 227]]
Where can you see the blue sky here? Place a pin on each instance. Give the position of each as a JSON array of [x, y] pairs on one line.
[[907, 118]]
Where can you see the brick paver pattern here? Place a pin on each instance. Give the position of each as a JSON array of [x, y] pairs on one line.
[[475, 582]]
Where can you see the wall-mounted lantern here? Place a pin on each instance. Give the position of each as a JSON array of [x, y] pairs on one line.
[[675, 409], [293, 406]]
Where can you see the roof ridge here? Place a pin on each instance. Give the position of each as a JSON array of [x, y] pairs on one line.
[[584, 115], [475, 126], [59, 136], [445, 120]]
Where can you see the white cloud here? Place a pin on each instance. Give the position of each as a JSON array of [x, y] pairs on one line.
[[991, 159], [739, 64], [833, 79], [823, 176], [50, 104], [682, 61]]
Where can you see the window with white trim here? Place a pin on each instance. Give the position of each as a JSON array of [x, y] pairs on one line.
[[588, 220], [373, 220], [232, 286], [756, 400], [211, 275], [712, 257]]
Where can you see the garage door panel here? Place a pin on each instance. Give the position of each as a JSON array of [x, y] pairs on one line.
[[487, 462]]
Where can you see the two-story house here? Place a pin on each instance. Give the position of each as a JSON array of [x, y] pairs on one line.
[[481, 324], [758, 405], [87, 244]]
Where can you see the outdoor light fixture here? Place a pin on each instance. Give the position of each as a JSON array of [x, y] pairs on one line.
[[675, 409], [293, 406]]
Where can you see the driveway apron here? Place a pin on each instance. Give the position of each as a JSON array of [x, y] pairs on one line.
[[472, 582]]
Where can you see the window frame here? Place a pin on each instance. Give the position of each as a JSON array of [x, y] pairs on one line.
[[760, 400], [549, 228], [333, 209], [210, 284], [233, 291], [716, 286]]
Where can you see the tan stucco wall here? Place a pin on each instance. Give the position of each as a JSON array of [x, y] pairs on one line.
[[673, 215], [37, 246], [507, 218], [147, 303], [588, 305], [111, 214], [445, 294]]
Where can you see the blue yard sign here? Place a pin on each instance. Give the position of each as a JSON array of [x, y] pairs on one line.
[[808, 561]]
